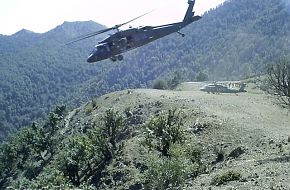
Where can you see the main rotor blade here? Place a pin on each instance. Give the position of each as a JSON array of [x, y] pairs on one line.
[[90, 35], [104, 30], [119, 25]]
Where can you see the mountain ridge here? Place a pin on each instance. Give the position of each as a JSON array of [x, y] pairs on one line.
[[24, 30]]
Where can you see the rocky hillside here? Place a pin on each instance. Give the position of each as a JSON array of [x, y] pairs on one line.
[[144, 138]]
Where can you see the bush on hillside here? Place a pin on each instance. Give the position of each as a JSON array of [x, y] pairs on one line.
[[160, 84], [226, 177], [164, 131], [279, 80]]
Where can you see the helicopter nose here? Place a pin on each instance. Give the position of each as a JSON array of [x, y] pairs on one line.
[[91, 58]]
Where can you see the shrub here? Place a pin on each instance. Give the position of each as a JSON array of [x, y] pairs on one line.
[[279, 80], [220, 154], [85, 156], [163, 131], [226, 177], [175, 80], [176, 161], [89, 109], [160, 84], [169, 172], [201, 77], [113, 126]]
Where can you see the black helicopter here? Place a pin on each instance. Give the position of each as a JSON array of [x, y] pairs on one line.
[[122, 41]]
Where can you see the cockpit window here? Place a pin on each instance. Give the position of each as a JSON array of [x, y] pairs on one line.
[[94, 51], [145, 28], [102, 48]]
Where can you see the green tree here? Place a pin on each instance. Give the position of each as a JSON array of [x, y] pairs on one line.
[[85, 156], [164, 130], [171, 172], [114, 125], [160, 84], [175, 81], [201, 77], [8, 163]]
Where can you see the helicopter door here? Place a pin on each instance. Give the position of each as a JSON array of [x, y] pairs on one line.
[[129, 42], [122, 43]]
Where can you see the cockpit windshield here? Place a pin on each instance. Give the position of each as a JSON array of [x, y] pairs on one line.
[[94, 51], [102, 48]]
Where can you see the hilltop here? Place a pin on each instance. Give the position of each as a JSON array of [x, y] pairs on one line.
[[243, 133]]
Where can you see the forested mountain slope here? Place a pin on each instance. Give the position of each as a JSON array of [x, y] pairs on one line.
[[38, 71], [233, 41]]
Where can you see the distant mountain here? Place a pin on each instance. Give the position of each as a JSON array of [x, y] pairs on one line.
[[38, 71], [23, 33]]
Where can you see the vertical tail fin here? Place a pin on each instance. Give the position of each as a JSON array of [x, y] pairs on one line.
[[242, 88], [189, 14]]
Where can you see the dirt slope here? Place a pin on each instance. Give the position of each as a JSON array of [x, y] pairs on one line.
[[261, 127], [250, 121]]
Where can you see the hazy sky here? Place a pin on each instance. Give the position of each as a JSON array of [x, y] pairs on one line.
[[43, 15]]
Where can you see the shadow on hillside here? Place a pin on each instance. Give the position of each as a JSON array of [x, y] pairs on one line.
[[282, 159]]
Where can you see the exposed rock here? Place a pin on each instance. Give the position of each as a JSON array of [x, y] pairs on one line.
[[271, 141]]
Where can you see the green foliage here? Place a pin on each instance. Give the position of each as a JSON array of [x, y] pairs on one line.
[[39, 157], [226, 177], [169, 82], [177, 160], [165, 173], [170, 173], [175, 81], [42, 75], [89, 109], [164, 130], [80, 156], [85, 156], [27, 153], [114, 125], [236, 40], [50, 178], [160, 84], [202, 77]]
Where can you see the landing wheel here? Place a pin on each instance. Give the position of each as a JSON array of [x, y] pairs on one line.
[[114, 58], [120, 57]]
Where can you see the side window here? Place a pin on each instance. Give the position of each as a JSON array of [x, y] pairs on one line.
[[103, 48]]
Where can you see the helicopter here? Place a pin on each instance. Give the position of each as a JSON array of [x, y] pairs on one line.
[[217, 88], [122, 41]]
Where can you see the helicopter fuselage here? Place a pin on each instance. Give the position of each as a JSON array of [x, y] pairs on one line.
[[122, 41], [132, 38]]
